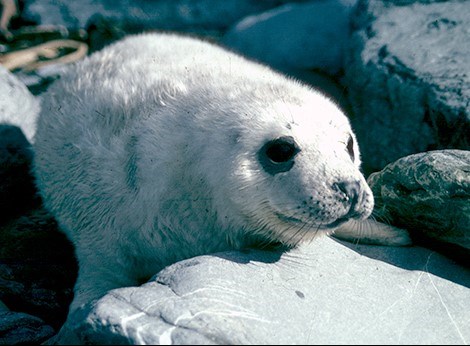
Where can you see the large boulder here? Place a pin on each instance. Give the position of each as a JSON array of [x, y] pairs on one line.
[[326, 292], [408, 78], [428, 194], [296, 39], [306, 36]]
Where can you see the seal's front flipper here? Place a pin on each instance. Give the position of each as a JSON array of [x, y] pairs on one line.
[[372, 232]]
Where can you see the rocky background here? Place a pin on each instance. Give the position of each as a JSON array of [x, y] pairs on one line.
[[399, 68]]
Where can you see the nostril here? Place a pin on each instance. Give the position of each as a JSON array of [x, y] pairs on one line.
[[350, 189]]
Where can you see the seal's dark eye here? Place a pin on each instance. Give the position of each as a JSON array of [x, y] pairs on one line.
[[350, 148], [277, 155], [280, 150]]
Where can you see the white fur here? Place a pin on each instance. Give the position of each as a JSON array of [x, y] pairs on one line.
[[146, 153]]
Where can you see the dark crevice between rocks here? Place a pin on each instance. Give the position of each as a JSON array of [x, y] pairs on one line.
[[39, 263], [455, 252], [448, 134], [395, 66], [38, 89], [392, 212], [419, 233], [404, 191], [17, 191], [419, 237]]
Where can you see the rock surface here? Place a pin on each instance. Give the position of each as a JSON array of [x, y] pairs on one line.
[[204, 16], [311, 35], [17, 105], [107, 21], [408, 78], [326, 292], [18, 328], [427, 193]]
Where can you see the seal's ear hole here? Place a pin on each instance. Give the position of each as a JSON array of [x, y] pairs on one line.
[[350, 148], [277, 156], [281, 149]]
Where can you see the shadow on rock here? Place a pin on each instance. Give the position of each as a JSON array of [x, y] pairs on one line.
[[415, 258]]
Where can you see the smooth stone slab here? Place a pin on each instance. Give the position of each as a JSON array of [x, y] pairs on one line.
[[326, 292]]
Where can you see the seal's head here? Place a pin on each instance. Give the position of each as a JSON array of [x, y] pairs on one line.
[[291, 169]]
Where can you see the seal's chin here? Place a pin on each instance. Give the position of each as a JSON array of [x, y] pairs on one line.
[[329, 226]]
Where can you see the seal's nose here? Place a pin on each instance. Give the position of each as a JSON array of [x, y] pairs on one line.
[[350, 194]]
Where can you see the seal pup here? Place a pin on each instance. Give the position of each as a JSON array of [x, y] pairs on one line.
[[162, 147]]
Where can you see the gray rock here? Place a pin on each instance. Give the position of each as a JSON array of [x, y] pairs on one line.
[[109, 20], [18, 106], [180, 15], [427, 193], [326, 292], [17, 328], [408, 78], [296, 36]]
